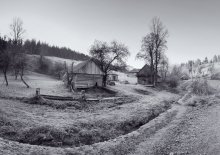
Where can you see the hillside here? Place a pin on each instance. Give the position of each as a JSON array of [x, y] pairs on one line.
[[33, 61], [34, 47], [203, 70]]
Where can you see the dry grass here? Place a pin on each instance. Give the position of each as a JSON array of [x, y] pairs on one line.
[[83, 133], [196, 101], [63, 124], [201, 87]]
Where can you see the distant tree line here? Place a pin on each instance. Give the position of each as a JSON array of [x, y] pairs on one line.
[[39, 48], [215, 59]]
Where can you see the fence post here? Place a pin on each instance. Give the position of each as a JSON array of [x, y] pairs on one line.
[[37, 92]]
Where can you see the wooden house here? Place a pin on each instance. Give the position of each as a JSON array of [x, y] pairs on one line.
[[144, 75], [86, 74]]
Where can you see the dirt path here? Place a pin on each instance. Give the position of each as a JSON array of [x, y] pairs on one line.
[[197, 132]]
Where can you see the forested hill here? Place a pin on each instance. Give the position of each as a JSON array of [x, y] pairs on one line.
[[39, 48]]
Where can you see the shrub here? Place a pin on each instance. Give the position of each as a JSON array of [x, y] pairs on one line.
[[201, 87], [195, 101], [215, 76], [173, 81]]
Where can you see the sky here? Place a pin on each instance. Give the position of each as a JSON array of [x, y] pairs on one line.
[[193, 25]]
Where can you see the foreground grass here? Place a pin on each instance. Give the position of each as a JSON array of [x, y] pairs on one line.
[[83, 133]]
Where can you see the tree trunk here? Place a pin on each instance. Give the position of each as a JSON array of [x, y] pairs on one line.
[[21, 75], [24, 82], [152, 72], [104, 80], [16, 74], [5, 76]]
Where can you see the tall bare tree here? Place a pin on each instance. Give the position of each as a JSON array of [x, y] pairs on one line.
[[18, 53], [160, 34], [153, 46], [17, 30], [147, 52], [109, 55]]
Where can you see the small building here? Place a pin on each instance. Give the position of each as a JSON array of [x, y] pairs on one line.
[[144, 75], [112, 76], [87, 74]]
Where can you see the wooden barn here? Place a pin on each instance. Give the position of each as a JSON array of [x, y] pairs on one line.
[[144, 75], [86, 74]]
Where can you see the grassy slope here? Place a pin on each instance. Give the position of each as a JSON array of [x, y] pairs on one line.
[[32, 116], [47, 84]]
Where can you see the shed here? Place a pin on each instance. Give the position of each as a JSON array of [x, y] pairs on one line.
[[87, 74], [112, 76], [144, 75]]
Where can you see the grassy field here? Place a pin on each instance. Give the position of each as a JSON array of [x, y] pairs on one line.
[[76, 127]]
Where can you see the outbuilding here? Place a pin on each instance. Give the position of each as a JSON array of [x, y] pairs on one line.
[[86, 74], [144, 76]]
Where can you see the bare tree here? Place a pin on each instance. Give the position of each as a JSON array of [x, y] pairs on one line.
[[147, 53], [108, 56], [17, 32], [4, 58], [18, 53], [153, 46], [17, 29], [160, 34]]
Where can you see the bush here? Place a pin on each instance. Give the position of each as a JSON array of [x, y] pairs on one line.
[[215, 76], [201, 87], [195, 101], [173, 82]]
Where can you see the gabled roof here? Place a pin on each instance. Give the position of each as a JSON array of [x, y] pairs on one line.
[[145, 71], [134, 70], [79, 67]]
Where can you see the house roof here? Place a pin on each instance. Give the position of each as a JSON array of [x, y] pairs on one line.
[[79, 66], [134, 70], [145, 71]]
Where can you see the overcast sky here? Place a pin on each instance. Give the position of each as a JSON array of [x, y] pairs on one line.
[[194, 25]]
